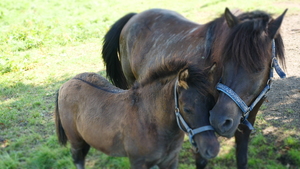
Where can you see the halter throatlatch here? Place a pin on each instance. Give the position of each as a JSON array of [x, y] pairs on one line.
[[185, 127], [242, 105]]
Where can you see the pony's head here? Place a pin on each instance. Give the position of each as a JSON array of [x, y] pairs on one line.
[[244, 49]]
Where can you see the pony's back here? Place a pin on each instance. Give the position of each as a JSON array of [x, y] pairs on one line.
[[92, 79], [97, 81]]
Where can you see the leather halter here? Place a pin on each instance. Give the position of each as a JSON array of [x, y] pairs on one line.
[[242, 105], [182, 123]]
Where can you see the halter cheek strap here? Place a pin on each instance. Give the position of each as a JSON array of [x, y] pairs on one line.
[[183, 125], [240, 103]]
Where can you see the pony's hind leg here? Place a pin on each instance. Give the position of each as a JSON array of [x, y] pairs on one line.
[[79, 152]]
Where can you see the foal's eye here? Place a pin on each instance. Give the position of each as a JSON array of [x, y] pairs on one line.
[[187, 110]]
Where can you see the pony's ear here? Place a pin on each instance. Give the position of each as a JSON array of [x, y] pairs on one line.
[[182, 78], [274, 25], [230, 18]]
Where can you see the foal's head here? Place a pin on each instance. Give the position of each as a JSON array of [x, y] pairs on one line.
[[192, 96], [193, 100], [191, 93], [244, 49]]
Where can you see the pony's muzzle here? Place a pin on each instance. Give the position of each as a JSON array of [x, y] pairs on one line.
[[208, 145], [222, 124], [211, 153]]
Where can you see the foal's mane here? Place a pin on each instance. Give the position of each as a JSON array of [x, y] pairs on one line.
[[167, 72], [247, 43]]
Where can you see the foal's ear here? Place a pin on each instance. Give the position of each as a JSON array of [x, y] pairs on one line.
[[275, 25], [211, 71], [230, 18], [212, 68], [182, 78]]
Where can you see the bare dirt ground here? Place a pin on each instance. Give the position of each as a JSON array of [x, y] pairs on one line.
[[283, 103], [282, 107]]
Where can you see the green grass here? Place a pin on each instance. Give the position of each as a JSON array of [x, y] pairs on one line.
[[45, 43]]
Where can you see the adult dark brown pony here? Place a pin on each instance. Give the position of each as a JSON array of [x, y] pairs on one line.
[[239, 45], [139, 123]]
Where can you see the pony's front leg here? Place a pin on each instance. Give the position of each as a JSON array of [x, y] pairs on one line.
[[200, 161], [242, 138], [173, 165], [170, 163], [137, 163]]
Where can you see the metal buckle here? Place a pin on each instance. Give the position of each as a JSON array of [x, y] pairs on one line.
[[191, 136], [176, 111]]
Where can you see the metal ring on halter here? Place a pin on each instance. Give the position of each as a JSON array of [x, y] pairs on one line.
[[176, 109], [272, 62], [244, 115]]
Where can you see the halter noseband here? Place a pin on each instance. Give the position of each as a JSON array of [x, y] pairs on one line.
[[242, 105], [180, 120]]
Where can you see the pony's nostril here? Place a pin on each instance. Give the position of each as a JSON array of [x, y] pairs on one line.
[[211, 153], [228, 122]]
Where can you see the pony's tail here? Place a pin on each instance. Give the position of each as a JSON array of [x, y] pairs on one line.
[[110, 51], [60, 132]]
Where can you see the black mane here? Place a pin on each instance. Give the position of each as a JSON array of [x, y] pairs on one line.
[[247, 43]]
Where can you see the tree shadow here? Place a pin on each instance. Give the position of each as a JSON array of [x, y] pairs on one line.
[[279, 118]]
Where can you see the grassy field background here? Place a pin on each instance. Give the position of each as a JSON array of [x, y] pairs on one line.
[[44, 43]]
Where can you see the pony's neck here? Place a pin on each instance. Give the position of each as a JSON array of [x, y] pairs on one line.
[[212, 42], [217, 28]]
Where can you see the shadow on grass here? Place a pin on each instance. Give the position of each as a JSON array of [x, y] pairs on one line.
[[27, 135], [282, 117], [26, 100]]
